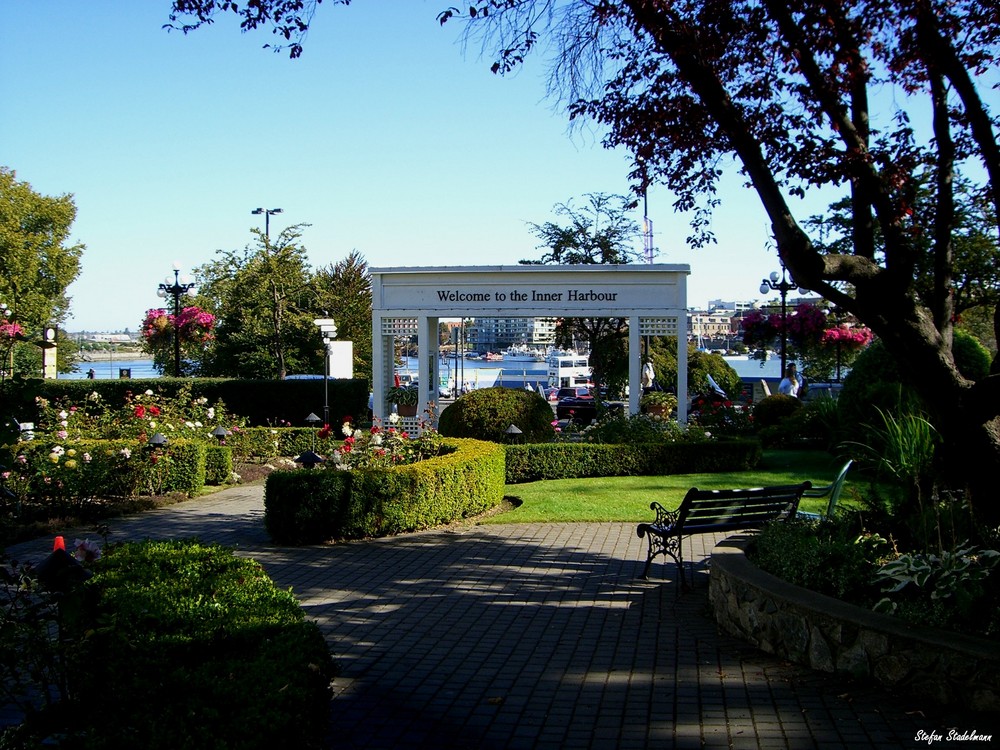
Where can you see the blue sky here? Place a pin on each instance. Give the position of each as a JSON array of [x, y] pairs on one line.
[[386, 137]]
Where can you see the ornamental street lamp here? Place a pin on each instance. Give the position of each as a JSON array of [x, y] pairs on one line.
[[177, 288], [268, 213], [783, 287]]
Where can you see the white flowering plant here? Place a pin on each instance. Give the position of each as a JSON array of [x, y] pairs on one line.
[[384, 445]]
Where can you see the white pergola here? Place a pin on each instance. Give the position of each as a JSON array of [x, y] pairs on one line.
[[407, 301]]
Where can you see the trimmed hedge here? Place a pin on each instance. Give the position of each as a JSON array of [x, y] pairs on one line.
[[313, 506], [529, 463], [218, 464], [261, 402], [179, 644]]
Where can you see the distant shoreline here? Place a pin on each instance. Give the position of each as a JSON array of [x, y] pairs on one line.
[[102, 356]]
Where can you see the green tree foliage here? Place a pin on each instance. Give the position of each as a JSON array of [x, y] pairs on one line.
[[662, 352], [344, 293], [976, 253], [264, 303], [37, 265], [600, 232]]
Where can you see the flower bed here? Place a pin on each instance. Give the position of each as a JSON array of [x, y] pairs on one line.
[[831, 636]]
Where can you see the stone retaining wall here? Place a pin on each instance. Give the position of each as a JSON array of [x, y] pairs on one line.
[[832, 636]]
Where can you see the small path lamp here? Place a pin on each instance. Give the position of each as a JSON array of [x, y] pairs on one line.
[[310, 458], [220, 433], [513, 434], [312, 419], [159, 440], [179, 287]]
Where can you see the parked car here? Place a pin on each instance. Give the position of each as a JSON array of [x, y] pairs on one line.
[[583, 411], [815, 391], [573, 392]]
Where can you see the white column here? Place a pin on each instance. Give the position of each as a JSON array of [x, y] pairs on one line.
[[427, 358], [634, 364], [682, 367], [381, 368]]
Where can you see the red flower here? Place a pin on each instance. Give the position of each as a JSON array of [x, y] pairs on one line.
[[140, 411], [324, 433], [154, 411]]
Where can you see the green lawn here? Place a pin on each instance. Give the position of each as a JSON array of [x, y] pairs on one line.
[[627, 499]]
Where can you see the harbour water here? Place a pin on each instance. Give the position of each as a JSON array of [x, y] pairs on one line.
[[477, 374], [105, 369]]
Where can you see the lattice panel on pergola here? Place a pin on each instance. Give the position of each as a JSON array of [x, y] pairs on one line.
[[399, 327], [657, 326]]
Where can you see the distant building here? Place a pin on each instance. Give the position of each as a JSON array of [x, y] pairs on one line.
[[494, 334], [712, 325], [735, 306]]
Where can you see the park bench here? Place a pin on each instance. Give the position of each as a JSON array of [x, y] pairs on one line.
[[833, 490], [713, 511]]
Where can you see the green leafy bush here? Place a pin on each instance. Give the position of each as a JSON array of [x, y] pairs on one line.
[[485, 414], [831, 557], [971, 357], [951, 589], [635, 429], [176, 644], [772, 410]]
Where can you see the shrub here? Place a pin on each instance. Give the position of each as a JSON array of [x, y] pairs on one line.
[[875, 380], [485, 414], [185, 645], [830, 557], [635, 429], [772, 410], [971, 357]]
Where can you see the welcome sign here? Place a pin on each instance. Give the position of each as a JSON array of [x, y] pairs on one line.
[[536, 291]]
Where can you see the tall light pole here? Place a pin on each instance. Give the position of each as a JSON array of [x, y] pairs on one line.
[[328, 327], [783, 287], [268, 213], [177, 288]]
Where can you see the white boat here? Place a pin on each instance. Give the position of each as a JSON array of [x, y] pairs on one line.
[[523, 353], [569, 369]]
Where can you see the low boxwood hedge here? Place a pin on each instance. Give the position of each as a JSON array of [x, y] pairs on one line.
[[178, 644], [312, 506], [529, 463]]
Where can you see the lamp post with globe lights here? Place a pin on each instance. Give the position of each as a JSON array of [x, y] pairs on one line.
[[176, 288], [783, 287]]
